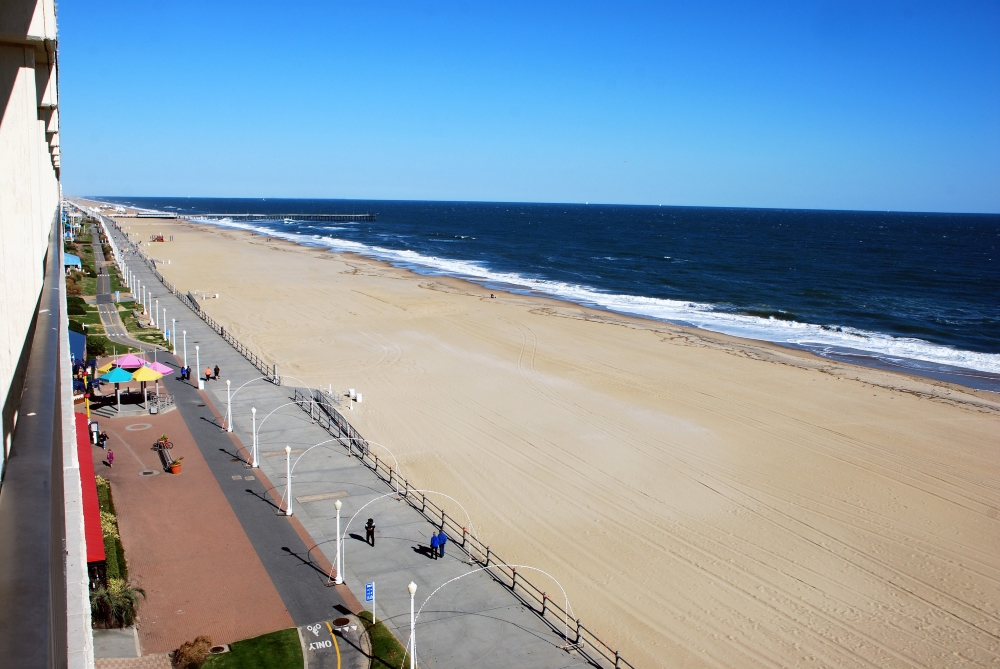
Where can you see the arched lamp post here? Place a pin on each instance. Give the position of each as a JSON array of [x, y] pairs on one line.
[[288, 465], [412, 589], [340, 577], [253, 410]]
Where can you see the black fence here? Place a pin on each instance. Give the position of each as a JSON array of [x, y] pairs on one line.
[[578, 638]]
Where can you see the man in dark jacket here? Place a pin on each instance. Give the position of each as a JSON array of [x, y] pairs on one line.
[[434, 547], [370, 532], [442, 540]]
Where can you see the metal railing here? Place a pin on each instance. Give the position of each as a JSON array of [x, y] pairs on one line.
[[33, 585], [578, 637]]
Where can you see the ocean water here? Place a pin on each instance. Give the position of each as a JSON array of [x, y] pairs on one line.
[[916, 292]]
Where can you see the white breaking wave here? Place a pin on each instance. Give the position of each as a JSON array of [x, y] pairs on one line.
[[705, 316]]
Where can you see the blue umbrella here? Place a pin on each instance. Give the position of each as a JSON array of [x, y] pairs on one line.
[[116, 376]]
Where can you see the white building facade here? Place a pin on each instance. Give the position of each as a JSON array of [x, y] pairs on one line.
[[44, 602], [29, 180]]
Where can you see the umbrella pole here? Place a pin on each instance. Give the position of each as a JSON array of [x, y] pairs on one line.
[[118, 397]]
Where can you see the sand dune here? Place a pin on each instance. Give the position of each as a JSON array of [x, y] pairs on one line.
[[705, 501]]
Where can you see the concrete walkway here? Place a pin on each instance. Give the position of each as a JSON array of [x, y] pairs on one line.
[[472, 621]]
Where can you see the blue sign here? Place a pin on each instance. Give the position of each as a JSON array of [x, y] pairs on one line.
[[370, 592]]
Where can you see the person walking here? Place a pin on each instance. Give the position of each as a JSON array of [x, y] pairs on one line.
[[434, 547], [370, 532], [442, 540], [217, 370], [208, 373], [111, 458]]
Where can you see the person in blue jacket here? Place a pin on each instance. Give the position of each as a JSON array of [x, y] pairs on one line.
[[442, 540], [434, 546]]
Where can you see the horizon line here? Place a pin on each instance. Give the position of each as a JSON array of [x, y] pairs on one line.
[[556, 202]]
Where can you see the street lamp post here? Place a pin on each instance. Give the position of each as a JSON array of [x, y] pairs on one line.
[[288, 466], [412, 589], [173, 334], [229, 408], [253, 410], [156, 313], [340, 578], [185, 349], [163, 323], [197, 363]]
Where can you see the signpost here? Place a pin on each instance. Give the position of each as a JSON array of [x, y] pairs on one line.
[[370, 597]]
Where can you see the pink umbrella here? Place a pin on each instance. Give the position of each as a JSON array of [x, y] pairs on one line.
[[130, 362], [161, 368]]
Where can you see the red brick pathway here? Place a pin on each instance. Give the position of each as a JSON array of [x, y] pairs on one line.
[[161, 661], [183, 543]]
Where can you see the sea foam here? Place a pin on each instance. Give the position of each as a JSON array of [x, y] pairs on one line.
[[817, 338]]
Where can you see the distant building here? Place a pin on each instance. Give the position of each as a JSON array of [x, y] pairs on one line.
[[44, 602]]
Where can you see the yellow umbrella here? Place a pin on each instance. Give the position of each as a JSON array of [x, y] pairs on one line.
[[144, 374], [104, 369]]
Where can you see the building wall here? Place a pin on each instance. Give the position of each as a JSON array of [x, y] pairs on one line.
[[29, 182], [29, 213]]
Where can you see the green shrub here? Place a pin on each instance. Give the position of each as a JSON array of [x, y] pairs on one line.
[[116, 604], [97, 346], [104, 498], [76, 326], [114, 551]]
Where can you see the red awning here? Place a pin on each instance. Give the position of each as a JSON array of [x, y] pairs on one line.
[[91, 508]]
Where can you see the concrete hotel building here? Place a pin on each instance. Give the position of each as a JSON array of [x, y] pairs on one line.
[[44, 604]]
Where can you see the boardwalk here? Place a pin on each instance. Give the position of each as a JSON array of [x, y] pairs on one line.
[[471, 621]]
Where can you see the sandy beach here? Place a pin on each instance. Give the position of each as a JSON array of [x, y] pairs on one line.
[[705, 501]]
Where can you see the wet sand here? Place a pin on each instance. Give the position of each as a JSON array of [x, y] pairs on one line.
[[704, 500]]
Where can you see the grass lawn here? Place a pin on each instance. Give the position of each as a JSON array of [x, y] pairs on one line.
[[116, 281], [277, 650], [387, 652], [92, 317]]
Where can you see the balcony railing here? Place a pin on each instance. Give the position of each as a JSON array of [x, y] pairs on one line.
[[33, 591]]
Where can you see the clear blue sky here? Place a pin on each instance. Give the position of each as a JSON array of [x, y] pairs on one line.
[[843, 104]]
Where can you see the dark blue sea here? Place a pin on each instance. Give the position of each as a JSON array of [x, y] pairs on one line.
[[916, 292]]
